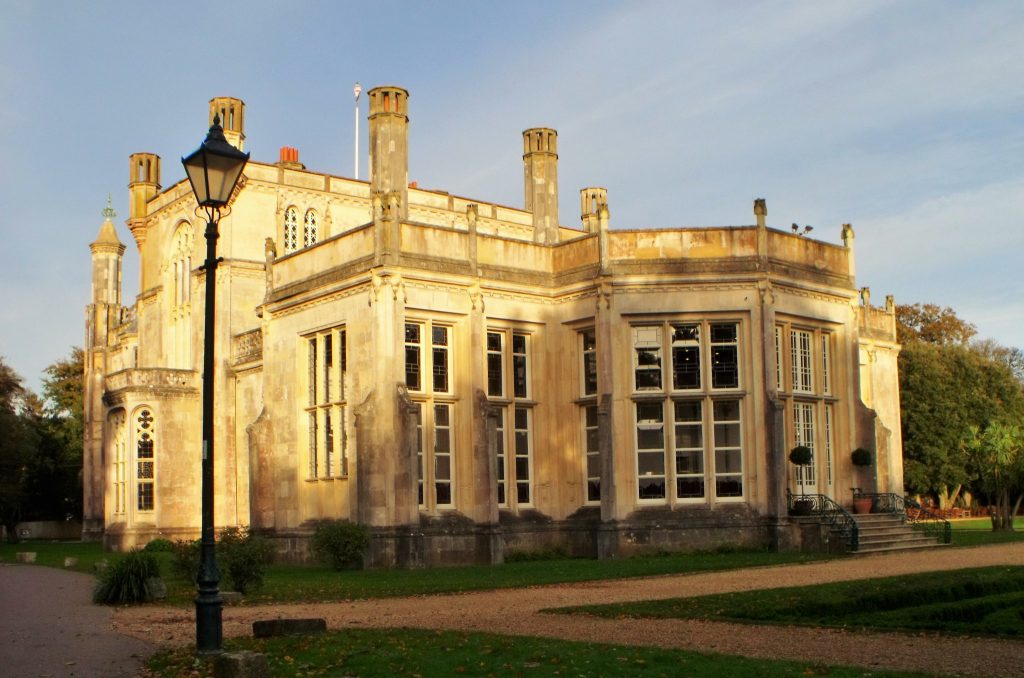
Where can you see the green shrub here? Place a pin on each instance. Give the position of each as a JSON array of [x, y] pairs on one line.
[[159, 546], [801, 455], [125, 581], [340, 544], [185, 560], [243, 558], [861, 457]]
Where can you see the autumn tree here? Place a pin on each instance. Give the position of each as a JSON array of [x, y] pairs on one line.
[[931, 324]]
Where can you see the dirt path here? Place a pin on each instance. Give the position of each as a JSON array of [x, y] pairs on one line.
[[49, 627], [517, 612]]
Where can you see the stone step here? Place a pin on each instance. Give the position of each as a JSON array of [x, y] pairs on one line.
[[931, 544], [895, 539], [887, 532]]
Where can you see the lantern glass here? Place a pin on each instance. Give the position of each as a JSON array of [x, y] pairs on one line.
[[213, 169]]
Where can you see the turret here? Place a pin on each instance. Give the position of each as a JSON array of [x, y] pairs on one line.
[[389, 145], [540, 179], [143, 186], [592, 200], [232, 119], [107, 252], [102, 315]]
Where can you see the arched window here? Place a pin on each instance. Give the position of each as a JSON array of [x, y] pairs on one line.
[[309, 235], [291, 230], [145, 461], [180, 283]]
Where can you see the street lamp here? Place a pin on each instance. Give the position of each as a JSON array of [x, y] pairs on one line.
[[213, 170]]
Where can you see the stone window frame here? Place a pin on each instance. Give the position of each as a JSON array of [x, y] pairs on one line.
[[589, 445], [290, 230], [429, 398], [325, 410], [667, 394], [513, 353], [310, 228], [817, 404], [119, 454], [179, 283], [144, 466]]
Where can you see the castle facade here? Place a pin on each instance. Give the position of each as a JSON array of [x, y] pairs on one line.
[[469, 378]]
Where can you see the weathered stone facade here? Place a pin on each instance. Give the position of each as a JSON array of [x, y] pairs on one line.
[[468, 378]]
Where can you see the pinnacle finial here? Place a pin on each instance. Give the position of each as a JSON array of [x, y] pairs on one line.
[[108, 211]]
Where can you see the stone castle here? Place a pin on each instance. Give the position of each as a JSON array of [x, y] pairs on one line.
[[469, 378]]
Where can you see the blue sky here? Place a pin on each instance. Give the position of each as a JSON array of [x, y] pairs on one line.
[[903, 118]]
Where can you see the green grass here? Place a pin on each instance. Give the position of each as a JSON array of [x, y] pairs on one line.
[[410, 652], [983, 601], [978, 532], [291, 583], [52, 553], [309, 583]]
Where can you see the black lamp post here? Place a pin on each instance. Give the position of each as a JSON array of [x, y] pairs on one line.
[[213, 170]]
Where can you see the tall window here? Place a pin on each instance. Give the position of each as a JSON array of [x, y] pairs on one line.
[[508, 387], [687, 410], [588, 342], [119, 454], [590, 439], [326, 370], [429, 380], [291, 230], [309, 231], [180, 285], [145, 461], [592, 453], [804, 434], [808, 394]]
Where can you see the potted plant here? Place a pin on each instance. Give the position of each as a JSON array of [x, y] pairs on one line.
[[801, 455], [861, 459]]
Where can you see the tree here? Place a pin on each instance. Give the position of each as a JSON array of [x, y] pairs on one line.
[[931, 324], [946, 386], [997, 454], [17, 447], [56, 480], [1010, 356]]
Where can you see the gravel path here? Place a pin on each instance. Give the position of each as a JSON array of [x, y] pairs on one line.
[[49, 627], [517, 612]]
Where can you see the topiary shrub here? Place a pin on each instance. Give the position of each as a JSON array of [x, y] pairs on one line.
[[125, 581], [340, 544], [159, 546], [243, 558], [801, 455], [861, 457]]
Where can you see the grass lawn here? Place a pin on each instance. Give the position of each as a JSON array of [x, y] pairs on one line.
[[983, 601], [53, 553], [410, 652], [978, 531], [298, 583], [291, 583]]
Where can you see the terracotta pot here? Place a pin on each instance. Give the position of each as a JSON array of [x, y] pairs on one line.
[[862, 505]]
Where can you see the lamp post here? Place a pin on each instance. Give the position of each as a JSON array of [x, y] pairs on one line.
[[213, 170]]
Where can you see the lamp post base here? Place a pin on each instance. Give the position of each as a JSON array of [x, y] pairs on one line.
[[209, 627]]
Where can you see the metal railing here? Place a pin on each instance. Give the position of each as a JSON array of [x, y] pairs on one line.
[[825, 509], [913, 514]]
